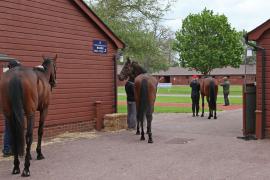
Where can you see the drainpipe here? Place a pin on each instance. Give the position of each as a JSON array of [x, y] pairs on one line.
[[115, 83], [257, 48]]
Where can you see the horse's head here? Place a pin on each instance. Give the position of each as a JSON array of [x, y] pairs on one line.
[[136, 69], [49, 65], [125, 72], [131, 70]]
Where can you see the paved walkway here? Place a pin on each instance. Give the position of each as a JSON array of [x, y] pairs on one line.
[[184, 148]]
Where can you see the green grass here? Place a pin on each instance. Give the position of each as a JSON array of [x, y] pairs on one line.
[[234, 90], [175, 99], [177, 90], [161, 109]]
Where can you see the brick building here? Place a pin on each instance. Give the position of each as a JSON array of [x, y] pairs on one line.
[[86, 65]]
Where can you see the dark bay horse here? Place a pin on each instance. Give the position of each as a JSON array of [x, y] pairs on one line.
[[145, 94], [23, 91], [209, 88]]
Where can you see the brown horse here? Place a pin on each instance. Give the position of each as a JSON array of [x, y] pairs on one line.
[[23, 91], [145, 95], [209, 88]]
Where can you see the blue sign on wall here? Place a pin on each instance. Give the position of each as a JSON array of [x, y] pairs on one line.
[[100, 46]]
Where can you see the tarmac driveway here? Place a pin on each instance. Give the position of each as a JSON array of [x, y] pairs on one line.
[[184, 148]]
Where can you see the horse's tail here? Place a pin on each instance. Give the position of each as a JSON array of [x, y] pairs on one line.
[[212, 95], [17, 115], [143, 100]]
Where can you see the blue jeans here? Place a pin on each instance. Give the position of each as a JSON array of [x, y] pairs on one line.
[[7, 145]]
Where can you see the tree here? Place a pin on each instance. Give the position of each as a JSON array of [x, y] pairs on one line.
[[207, 41], [137, 23]]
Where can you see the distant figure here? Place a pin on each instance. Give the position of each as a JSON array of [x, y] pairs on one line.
[[7, 140], [131, 104], [195, 95], [226, 90]]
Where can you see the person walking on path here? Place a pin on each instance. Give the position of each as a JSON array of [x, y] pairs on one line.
[[7, 139], [226, 90], [195, 95], [131, 105]]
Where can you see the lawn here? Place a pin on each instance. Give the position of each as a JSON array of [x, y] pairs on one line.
[[173, 98], [234, 90], [162, 109]]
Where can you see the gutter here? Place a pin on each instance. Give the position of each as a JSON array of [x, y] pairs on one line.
[[115, 83], [258, 48]]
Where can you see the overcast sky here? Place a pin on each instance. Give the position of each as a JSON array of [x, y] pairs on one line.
[[242, 14]]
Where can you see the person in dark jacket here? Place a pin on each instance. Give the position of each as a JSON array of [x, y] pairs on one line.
[[131, 105], [195, 95], [7, 141], [226, 90]]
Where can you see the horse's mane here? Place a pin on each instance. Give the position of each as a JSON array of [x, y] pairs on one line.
[[38, 69], [44, 66]]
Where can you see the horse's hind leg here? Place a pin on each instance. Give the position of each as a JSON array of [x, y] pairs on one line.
[[202, 106], [138, 127], [149, 118], [16, 162], [43, 114], [142, 131], [215, 111], [28, 139], [210, 113], [16, 169]]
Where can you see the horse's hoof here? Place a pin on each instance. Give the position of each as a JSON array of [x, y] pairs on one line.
[[138, 133], [215, 117], [142, 138], [25, 173], [202, 115], [209, 117], [16, 171], [40, 157], [150, 141]]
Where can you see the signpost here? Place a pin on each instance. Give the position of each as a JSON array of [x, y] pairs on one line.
[[100, 46]]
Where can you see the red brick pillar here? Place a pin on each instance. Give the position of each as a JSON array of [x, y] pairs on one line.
[[98, 116], [259, 129]]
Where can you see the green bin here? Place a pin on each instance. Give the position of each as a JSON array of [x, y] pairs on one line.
[[249, 109]]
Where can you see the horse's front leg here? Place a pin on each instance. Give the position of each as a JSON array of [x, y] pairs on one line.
[[149, 118], [202, 106], [28, 139], [43, 115]]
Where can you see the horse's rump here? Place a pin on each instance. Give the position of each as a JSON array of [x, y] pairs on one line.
[[147, 84], [205, 84]]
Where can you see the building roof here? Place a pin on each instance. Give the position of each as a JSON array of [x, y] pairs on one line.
[[89, 13], [179, 71], [256, 33]]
